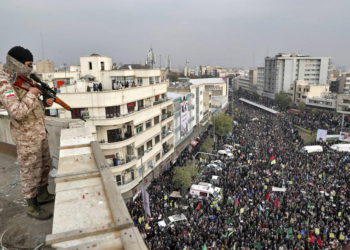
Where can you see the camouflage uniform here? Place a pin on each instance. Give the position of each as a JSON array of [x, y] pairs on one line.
[[27, 125]]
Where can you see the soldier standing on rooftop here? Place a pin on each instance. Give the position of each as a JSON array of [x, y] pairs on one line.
[[26, 113]]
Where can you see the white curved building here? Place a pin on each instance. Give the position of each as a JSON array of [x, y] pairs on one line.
[[131, 117]]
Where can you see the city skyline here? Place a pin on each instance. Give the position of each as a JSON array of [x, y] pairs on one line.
[[225, 33]]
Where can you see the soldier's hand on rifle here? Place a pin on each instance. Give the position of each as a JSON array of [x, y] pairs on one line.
[[49, 102], [34, 91]]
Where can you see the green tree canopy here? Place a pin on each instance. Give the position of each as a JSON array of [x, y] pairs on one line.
[[223, 124], [283, 100], [184, 176], [302, 106]]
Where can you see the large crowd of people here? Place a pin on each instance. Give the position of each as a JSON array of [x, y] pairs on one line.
[[274, 196]]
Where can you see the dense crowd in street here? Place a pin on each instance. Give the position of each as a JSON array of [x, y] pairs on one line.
[[326, 119], [274, 196]]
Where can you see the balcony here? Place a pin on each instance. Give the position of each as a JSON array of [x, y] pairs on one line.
[[121, 119], [128, 163], [119, 143], [165, 134], [120, 162], [159, 101], [166, 116]]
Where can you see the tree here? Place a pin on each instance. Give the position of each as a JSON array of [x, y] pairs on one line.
[[223, 124], [207, 145], [302, 106], [183, 176], [283, 100]]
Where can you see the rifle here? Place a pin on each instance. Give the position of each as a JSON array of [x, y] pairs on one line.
[[24, 83]]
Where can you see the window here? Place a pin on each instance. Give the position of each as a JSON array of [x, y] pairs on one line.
[[151, 80], [156, 120], [140, 105], [51, 112], [202, 194], [140, 151], [156, 139], [77, 113], [149, 144], [131, 106], [102, 65], [119, 179], [148, 124], [158, 157], [90, 65], [113, 111], [157, 79], [114, 135], [139, 128], [139, 81]]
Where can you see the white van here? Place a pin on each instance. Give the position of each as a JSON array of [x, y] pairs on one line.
[[205, 192], [312, 149], [341, 147]]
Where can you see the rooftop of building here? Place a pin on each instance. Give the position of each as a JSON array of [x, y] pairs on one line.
[[133, 66], [173, 95], [17, 230], [199, 81]]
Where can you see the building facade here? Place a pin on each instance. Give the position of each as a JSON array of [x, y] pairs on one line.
[[44, 66], [184, 116], [283, 70], [302, 90], [130, 115]]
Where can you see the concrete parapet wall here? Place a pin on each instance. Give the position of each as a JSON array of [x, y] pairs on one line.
[[53, 125]]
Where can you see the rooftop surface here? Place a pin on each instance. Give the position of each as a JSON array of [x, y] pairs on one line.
[[17, 230], [207, 80]]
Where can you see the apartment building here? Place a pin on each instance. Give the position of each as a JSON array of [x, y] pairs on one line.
[[199, 114], [217, 88], [184, 116], [283, 70], [44, 66], [260, 80], [302, 90], [128, 112]]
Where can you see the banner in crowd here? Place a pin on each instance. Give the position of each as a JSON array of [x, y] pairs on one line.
[[184, 118], [344, 136], [145, 201], [321, 135]]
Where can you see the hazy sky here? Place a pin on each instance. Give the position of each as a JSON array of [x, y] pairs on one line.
[[229, 33]]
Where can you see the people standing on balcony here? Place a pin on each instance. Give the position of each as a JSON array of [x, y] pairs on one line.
[[99, 87], [27, 125]]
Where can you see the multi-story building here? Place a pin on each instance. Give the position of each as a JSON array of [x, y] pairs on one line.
[[197, 91], [44, 66], [128, 112], [184, 115], [217, 88], [283, 70], [260, 80], [302, 90], [253, 76], [243, 83]]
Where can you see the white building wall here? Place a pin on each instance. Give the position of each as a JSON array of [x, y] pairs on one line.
[[283, 71], [96, 67]]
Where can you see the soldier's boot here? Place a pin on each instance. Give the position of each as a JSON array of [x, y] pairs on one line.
[[44, 196], [35, 211]]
